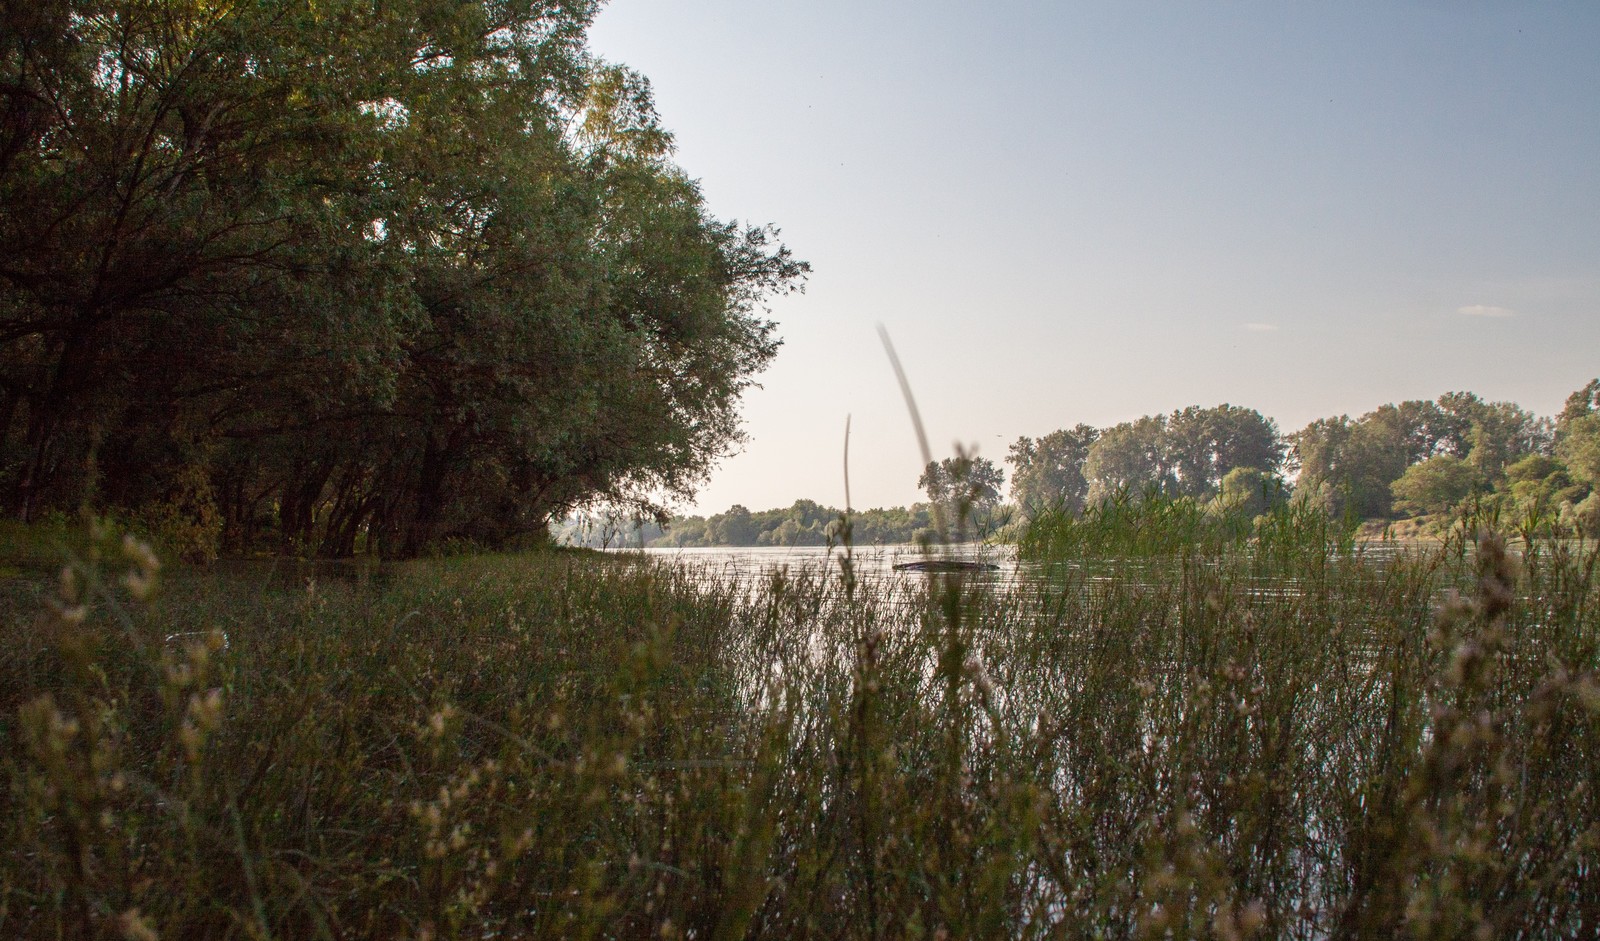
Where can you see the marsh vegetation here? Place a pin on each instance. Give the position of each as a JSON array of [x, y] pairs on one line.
[[1275, 737]]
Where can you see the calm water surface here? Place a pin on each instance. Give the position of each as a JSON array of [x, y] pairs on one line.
[[752, 565], [873, 562]]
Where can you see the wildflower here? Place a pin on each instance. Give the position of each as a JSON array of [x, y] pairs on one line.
[[206, 711], [135, 927], [141, 580]]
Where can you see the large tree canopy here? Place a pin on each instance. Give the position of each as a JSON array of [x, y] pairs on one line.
[[1187, 453], [1351, 465], [330, 274], [1417, 458], [1048, 473], [965, 487]]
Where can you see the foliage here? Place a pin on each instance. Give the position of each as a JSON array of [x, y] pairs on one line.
[[1579, 448], [1348, 466], [1251, 510], [1250, 491], [1206, 444], [965, 489], [1352, 466], [1130, 458], [1584, 401], [384, 276], [805, 523], [1187, 453], [1130, 525], [1539, 484], [1501, 433], [1296, 741], [1415, 458], [1435, 486], [1048, 473], [1585, 515]]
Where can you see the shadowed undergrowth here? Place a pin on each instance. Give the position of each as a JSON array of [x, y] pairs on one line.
[[1286, 741]]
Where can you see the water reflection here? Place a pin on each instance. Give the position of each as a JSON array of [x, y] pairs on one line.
[[873, 563], [752, 566]]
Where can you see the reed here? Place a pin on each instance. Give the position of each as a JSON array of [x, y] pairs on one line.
[[1274, 735]]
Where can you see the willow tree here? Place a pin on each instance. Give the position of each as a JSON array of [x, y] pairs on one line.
[[330, 274]]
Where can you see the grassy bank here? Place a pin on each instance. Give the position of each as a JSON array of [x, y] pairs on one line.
[[1222, 739]]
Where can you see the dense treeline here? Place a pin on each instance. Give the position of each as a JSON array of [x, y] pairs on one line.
[[963, 503], [805, 523], [333, 277], [1419, 460], [1415, 460]]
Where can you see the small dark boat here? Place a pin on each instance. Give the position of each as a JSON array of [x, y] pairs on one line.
[[946, 566]]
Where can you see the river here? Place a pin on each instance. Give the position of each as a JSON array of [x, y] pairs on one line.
[[874, 562]]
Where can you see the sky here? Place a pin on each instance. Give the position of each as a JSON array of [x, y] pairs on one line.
[[1093, 211]]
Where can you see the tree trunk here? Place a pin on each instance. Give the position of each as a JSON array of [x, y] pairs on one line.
[[8, 412], [429, 503], [297, 511], [40, 429], [44, 420]]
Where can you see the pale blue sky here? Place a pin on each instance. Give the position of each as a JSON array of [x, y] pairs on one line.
[[1088, 212]]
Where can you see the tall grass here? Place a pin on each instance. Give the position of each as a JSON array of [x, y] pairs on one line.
[[1274, 739], [1130, 524]]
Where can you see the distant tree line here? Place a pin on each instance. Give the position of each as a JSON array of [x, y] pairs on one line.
[[963, 497], [338, 276], [1416, 460], [805, 523]]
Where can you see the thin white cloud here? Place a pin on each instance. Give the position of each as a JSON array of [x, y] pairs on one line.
[[1485, 310], [1261, 327]]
